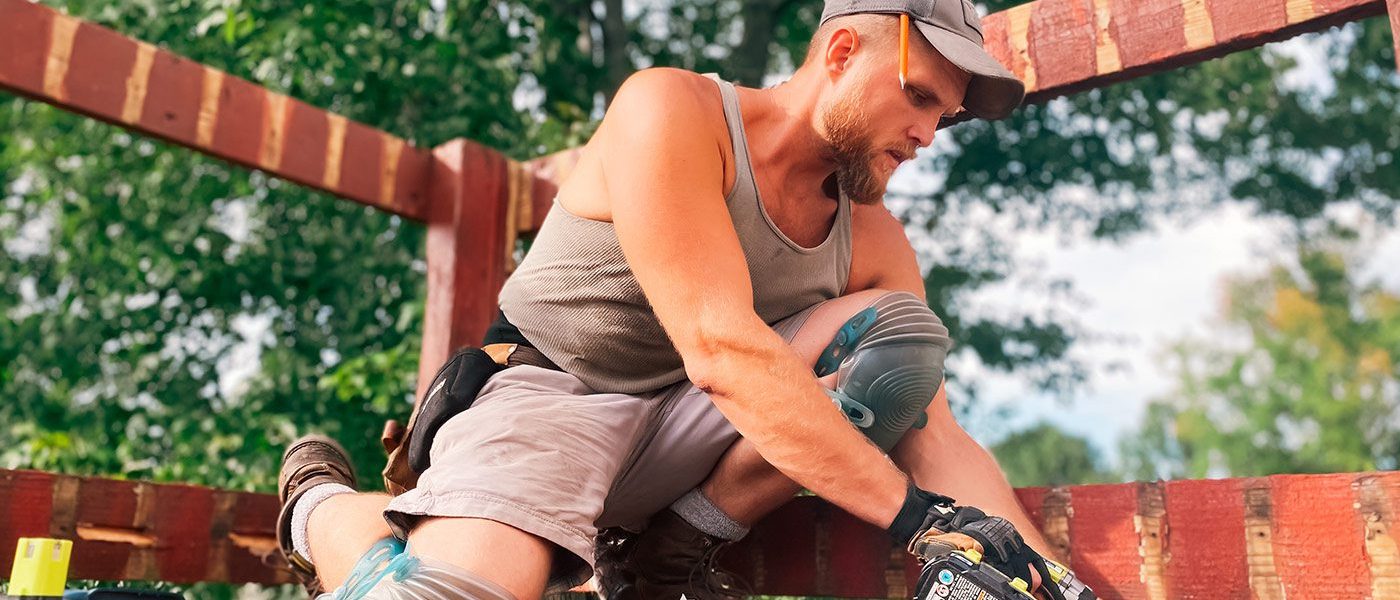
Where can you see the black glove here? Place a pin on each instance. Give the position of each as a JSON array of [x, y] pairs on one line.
[[937, 534]]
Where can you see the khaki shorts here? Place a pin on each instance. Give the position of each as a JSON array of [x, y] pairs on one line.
[[542, 452]]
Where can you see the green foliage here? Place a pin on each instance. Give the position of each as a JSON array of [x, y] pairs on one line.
[[1045, 455], [133, 270], [1312, 390]]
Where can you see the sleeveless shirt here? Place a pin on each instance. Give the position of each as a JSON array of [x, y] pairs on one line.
[[574, 297]]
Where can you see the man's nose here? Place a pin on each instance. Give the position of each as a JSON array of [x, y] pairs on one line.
[[923, 132]]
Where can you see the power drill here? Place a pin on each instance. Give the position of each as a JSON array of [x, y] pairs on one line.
[[961, 575]]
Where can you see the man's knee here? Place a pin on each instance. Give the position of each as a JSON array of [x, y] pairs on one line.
[[387, 572], [889, 363]]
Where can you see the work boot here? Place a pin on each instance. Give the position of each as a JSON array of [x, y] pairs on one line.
[[667, 560], [612, 549], [308, 462]]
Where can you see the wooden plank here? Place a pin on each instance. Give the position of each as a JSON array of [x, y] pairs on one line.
[[174, 88], [92, 70], [1299, 536], [1376, 502], [466, 250], [1106, 540], [1316, 528], [1260, 561], [1075, 45], [127, 530], [1205, 540], [1393, 7]]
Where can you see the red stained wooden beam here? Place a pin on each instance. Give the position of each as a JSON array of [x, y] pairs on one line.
[[1303, 536], [470, 237], [1394, 6], [1060, 47], [78, 66], [131, 530]]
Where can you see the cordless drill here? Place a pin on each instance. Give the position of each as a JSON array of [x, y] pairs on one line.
[[961, 575]]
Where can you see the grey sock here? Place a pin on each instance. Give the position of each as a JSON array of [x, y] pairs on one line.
[[301, 514], [697, 510]]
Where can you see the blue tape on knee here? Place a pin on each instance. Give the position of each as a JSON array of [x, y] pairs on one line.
[[387, 571], [845, 341], [385, 557]]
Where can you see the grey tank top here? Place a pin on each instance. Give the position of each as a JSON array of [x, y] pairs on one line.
[[575, 298]]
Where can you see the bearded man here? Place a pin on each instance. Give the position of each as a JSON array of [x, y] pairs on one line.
[[721, 313]]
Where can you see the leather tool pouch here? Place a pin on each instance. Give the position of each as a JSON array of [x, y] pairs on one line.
[[453, 389]]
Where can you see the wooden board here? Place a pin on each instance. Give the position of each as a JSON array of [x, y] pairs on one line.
[[1059, 47], [129, 530], [468, 248], [92, 70], [1394, 10], [1298, 536]]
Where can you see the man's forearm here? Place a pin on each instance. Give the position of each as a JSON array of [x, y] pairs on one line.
[[775, 402]]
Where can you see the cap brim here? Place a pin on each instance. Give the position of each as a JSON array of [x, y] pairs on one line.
[[994, 91]]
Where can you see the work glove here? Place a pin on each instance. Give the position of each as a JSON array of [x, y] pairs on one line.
[[946, 527]]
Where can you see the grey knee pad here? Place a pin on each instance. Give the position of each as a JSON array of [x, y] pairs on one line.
[[889, 362], [388, 572]]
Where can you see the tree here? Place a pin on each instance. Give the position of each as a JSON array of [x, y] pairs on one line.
[[1314, 387], [132, 270], [1045, 455]]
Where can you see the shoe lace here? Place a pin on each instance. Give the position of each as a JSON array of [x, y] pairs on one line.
[[706, 575]]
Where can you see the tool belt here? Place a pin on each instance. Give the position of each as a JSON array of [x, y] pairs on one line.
[[452, 390]]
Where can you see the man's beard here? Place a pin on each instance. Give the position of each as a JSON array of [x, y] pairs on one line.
[[849, 146]]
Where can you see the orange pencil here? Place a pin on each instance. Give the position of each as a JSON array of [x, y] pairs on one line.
[[903, 49]]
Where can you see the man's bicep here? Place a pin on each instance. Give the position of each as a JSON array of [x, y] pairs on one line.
[[664, 176]]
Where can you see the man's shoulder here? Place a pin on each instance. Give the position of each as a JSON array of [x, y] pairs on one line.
[[666, 93], [669, 83], [674, 111]]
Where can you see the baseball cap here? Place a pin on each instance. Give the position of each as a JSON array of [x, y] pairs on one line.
[[954, 28]]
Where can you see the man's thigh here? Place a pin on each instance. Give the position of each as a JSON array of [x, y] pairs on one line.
[[692, 435]]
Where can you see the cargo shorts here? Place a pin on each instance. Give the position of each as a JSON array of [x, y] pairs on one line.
[[542, 452]]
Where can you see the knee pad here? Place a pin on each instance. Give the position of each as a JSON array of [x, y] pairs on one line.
[[388, 572], [889, 362]]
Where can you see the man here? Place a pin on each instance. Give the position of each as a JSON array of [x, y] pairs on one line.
[[712, 247]]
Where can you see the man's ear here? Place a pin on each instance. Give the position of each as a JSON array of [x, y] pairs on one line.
[[840, 49]]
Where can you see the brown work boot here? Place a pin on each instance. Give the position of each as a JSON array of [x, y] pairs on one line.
[[667, 560], [308, 462]]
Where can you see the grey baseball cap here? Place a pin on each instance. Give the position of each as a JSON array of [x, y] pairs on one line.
[[955, 30]]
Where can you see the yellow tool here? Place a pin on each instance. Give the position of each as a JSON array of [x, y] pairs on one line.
[[41, 567]]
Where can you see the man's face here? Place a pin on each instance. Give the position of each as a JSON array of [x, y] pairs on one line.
[[871, 126]]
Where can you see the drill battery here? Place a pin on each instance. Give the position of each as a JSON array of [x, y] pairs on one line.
[[961, 575]]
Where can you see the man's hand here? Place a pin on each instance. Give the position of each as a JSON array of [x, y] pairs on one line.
[[947, 527]]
